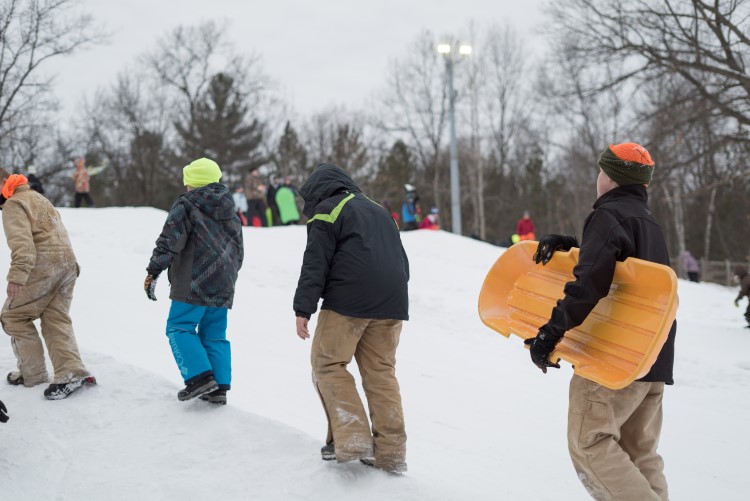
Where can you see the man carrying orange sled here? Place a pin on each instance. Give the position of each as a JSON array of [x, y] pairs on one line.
[[612, 434]]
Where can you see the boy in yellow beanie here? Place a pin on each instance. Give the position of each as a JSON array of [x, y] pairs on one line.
[[612, 434], [201, 247]]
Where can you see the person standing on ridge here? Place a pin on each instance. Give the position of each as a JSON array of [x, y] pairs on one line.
[[42, 276], [201, 246], [525, 227], [411, 214], [613, 435], [82, 180], [354, 260], [691, 266], [34, 182], [255, 191]]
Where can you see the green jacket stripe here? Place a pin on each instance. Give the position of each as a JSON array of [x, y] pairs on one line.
[[331, 218]]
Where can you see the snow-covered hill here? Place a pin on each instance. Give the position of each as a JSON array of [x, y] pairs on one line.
[[483, 422]]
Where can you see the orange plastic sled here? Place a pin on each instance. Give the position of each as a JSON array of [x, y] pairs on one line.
[[619, 340]]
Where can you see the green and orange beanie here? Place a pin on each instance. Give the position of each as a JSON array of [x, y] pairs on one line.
[[627, 163]]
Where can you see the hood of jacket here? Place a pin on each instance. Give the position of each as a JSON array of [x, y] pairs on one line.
[[213, 200], [324, 182]]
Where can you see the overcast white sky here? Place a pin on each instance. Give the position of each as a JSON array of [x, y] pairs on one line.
[[320, 52]]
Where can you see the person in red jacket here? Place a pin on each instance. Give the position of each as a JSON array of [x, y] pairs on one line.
[[525, 227]]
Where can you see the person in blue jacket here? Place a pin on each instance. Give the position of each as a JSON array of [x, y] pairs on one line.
[[201, 246], [410, 211]]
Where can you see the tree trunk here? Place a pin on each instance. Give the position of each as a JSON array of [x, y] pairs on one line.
[[709, 221]]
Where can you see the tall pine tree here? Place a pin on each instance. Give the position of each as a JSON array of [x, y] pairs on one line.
[[219, 128], [290, 157]]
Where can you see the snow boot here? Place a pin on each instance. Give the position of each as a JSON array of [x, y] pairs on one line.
[[328, 452], [58, 391], [15, 378], [218, 397], [197, 388], [396, 471]]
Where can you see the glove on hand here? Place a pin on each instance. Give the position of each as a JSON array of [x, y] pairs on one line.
[[3, 416], [149, 285], [551, 243], [540, 347]]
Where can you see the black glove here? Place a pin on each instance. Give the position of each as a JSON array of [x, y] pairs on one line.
[[551, 243], [3, 416], [540, 347], [149, 285]]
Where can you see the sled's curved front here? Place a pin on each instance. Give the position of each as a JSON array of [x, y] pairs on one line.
[[619, 340]]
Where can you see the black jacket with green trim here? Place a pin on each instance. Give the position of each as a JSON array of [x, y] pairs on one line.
[[621, 226], [354, 259]]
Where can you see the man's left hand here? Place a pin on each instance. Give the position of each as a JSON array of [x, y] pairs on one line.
[[14, 290], [302, 331], [541, 347]]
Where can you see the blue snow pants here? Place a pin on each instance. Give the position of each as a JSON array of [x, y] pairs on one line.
[[198, 338]]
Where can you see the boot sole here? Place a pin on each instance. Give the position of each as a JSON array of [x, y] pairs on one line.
[[214, 400], [201, 390], [70, 388]]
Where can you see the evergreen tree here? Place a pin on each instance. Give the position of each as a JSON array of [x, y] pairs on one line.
[[290, 157], [219, 128], [348, 151], [395, 169]]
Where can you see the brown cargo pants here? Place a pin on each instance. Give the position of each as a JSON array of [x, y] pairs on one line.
[[612, 439], [373, 343], [47, 295]]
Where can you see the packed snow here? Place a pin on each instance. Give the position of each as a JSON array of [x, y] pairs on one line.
[[483, 423]]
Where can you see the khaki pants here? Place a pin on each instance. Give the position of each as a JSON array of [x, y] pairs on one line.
[[47, 296], [612, 439], [373, 343]]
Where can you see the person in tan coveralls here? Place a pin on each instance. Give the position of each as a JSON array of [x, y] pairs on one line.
[[354, 260], [43, 272]]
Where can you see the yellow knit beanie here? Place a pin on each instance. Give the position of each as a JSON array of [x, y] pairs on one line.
[[200, 173]]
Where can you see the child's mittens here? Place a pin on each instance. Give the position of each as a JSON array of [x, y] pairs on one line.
[[149, 285]]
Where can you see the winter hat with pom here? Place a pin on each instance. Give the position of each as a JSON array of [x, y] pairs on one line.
[[627, 163], [201, 172]]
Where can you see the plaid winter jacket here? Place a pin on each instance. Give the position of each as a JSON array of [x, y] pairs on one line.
[[201, 245]]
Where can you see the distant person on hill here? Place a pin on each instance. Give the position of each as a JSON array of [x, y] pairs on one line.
[[201, 246], [525, 227], [432, 221], [255, 191], [742, 275], [411, 214], [240, 203], [82, 179], [354, 260], [287, 203], [691, 266], [42, 276], [34, 182], [612, 434]]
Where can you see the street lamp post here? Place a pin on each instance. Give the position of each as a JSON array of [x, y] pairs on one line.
[[450, 61]]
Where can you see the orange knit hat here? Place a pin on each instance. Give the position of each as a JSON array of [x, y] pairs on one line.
[[627, 163]]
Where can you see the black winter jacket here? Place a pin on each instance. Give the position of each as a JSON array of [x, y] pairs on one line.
[[354, 259], [621, 226], [201, 245]]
